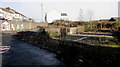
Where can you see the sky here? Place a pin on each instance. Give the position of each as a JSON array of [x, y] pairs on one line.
[[102, 9]]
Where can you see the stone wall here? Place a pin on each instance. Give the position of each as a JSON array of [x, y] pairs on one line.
[[76, 30], [80, 29], [69, 30], [21, 26]]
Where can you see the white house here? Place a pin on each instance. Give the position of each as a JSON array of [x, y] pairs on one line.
[[52, 15]]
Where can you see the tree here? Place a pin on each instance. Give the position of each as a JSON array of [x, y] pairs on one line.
[[90, 14], [80, 17]]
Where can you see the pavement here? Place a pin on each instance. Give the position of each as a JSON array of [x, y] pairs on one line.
[[22, 53]]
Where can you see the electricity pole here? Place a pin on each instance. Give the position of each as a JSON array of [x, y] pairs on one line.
[[41, 12]]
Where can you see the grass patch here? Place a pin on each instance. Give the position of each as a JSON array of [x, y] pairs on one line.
[[53, 34], [109, 45], [99, 36]]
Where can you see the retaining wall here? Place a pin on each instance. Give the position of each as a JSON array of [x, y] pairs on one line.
[[22, 25]]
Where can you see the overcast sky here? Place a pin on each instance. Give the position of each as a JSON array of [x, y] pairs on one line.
[[102, 9]]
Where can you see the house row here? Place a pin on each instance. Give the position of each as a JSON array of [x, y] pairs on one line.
[[112, 19], [10, 14]]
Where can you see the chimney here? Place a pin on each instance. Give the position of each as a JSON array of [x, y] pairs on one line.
[[7, 8]]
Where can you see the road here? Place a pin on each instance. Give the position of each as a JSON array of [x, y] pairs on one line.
[[22, 53]]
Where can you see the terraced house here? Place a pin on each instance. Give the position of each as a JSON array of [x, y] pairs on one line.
[[10, 14], [11, 20], [6, 14]]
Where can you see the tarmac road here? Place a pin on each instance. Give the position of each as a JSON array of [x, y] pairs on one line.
[[22, 53]]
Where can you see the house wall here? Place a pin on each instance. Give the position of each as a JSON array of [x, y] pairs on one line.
[[26, 25], [53, 15], [76, 30], [73, 30]]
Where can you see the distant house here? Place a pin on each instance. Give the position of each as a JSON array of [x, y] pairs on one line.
[[111, 19], [54, 15], [115, 19]]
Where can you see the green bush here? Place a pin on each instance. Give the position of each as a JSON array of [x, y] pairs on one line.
[[53, 34], [90, 27], [117, 24]]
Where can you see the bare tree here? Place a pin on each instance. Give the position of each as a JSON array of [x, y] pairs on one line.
[[80, 16], [90, 14]]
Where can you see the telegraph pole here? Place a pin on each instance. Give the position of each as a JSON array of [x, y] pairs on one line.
[[41, 12]]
